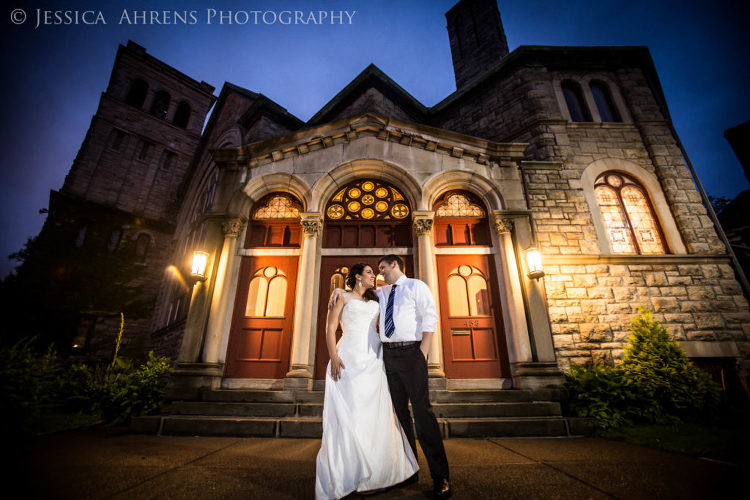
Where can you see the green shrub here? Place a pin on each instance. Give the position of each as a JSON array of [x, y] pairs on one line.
[[655, 383], [658, 366], [29, 383]]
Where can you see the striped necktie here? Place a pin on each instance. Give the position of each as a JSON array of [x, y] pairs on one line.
[[389, 326]]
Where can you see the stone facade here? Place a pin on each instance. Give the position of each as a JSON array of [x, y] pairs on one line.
[[508, 136]]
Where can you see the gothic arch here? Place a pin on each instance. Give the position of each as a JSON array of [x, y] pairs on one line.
[[243, 199], [649, 182], [338, 177]]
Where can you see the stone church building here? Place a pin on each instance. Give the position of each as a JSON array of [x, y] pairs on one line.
[[566, 154]]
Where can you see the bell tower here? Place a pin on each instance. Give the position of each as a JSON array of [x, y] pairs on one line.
[[477, 38]]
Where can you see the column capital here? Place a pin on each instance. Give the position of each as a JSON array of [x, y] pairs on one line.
[[231, 226], [423, 222], [312, 223], [503, 224]]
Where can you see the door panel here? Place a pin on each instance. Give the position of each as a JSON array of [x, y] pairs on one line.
[[333, 271], [261, 333], [471, 322]]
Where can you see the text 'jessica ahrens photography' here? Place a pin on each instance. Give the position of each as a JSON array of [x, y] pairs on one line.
[[208, 16]]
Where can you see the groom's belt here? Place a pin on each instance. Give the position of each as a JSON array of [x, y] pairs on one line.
[[401, 345]]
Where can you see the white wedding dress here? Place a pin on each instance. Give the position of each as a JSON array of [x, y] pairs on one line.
[[363, 446]]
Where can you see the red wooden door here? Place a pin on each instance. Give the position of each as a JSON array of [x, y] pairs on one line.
[[261, 333], [333, 271], [471, 322]]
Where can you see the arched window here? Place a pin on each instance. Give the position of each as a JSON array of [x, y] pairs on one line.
[[604, 103], [114, 239], [137, 93], [141, 246], [460, 219], [275, 222], [182, 115], [267, 293], [161, 104], [467, 292], [577, 108], [367, 213], [629, 218]]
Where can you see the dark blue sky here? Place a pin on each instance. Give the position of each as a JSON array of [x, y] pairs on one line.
[[54, 75]]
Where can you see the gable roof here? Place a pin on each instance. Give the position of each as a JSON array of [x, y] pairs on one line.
[[370, 77]]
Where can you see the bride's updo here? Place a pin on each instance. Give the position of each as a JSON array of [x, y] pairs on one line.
[[351, 279]]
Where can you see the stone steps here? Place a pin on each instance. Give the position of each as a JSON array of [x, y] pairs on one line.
[[461, 414]]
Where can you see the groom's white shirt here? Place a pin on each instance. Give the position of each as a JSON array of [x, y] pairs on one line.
[[413, 310]]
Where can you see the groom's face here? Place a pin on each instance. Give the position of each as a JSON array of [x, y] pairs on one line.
[[389, 271]]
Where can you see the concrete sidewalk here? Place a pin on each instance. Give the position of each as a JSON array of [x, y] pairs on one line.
[[93, 463]]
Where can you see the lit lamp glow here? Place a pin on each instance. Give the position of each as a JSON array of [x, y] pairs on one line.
[[200, 260], [534, 261]]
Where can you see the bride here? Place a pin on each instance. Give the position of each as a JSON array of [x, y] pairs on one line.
[[363, 446]]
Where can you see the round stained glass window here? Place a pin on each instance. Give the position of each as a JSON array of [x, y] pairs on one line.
[[353, 206], [368, 213], [381, 192], [368, 199], [269, 271], [614, 180], [335, 211], [354, 193], [381, 206], [399, 210], [368, 186]]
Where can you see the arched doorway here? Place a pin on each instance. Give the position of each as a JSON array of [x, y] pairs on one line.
[[261, 331], [471, 320], [364, 214]]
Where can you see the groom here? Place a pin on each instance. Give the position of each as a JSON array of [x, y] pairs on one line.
[[407, 324]]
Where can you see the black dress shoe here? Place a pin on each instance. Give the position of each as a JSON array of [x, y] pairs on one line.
[[442, 489]]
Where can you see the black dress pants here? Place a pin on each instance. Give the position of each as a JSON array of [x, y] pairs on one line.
[[406, 370]]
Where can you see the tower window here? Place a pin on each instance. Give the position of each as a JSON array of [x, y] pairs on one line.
[[137, 93], [161, 104], [117, 137], [577, 108], [604, 103], [141, 246], [182, 115]]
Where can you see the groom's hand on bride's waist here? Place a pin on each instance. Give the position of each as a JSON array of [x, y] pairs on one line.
[[335, 295]]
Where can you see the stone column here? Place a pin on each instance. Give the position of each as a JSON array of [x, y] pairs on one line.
[[423, 228], [541, 371], [519, 347], [220, 315], [303, 340]]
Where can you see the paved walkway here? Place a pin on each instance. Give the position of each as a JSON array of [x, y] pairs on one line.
[[93, 463]]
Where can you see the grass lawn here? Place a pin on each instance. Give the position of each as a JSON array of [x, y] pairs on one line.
[[726, 442]]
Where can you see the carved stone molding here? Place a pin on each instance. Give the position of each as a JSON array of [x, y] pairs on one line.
[[232, 227], [311, 224], [503, 225], [423, 226]]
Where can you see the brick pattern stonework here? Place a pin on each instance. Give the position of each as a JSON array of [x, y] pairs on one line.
[[591, 306]]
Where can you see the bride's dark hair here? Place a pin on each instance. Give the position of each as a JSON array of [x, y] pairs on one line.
[[351, 279]]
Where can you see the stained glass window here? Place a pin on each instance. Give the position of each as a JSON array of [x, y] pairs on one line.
[[278, 207], [628, 217], [459, 205], [368, 200]]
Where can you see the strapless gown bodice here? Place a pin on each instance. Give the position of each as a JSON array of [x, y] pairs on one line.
[[363, 446]]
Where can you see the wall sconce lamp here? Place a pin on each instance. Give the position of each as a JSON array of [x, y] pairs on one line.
[[198, 270], [534, 261]]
